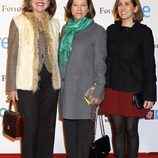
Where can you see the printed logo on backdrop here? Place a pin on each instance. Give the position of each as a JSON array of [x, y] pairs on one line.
[[152, 115], [156, 115], [3, 42], [2, 109], [8, 9], [103, 10], [3, 78], [146, 11]]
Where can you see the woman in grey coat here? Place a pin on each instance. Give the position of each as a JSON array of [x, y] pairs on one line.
[[82, 64]]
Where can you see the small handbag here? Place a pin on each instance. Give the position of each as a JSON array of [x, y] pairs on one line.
[[89, 93], [100, 148], [88, 96], [13, 123], [138, 100]]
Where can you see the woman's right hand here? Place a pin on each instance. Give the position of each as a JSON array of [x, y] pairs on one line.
[[13, 95], [95, 101], [148, 104]]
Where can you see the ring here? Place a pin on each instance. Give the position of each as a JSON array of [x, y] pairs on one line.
[[8, 97]]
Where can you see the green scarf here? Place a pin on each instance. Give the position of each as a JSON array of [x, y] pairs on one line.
[[72, 27]]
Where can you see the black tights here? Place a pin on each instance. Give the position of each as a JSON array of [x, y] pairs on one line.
[[125, 129]]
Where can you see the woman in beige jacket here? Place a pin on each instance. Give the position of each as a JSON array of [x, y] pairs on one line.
[[32, 74]]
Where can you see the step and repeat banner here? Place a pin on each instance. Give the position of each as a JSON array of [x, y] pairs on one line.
[[148, 128]]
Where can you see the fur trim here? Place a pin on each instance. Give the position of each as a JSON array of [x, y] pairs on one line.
[[51, 54]]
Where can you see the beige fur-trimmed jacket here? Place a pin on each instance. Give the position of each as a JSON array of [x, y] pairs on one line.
[[26, 51]]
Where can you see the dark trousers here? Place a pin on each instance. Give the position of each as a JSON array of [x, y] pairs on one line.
[[79, 134], [39, 111]]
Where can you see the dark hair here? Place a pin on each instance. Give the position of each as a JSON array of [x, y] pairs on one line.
[[90, 14], [27, 7], [138, 17]]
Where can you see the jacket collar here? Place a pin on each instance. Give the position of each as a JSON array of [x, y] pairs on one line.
[[119, 22]]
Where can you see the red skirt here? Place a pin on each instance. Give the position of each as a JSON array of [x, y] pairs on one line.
[[120, 103]]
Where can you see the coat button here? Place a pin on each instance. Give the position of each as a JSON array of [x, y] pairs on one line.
[[43, 55], [62, 79]]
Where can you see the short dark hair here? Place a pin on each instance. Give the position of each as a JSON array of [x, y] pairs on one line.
[[90, 14], [51, 8], [138, 17]]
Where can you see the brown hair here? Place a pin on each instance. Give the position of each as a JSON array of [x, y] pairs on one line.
[[51, 8], [90, 14], [138, 17]]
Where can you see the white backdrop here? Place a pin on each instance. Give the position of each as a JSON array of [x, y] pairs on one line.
[[148, 128]]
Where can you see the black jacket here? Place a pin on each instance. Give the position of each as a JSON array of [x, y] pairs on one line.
[[130, 61]]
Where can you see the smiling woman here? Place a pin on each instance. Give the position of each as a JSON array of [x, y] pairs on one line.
[[130, 70], [51, 6], [33, 76], [39, 7]]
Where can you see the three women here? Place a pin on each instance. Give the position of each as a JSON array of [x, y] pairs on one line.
[[33, 69]]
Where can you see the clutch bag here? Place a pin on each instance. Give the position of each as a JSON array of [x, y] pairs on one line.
[[88, 96], [138, 100], [89, 93]]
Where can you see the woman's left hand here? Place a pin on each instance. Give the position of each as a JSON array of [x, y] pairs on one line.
[[148, 104], [95, 101]]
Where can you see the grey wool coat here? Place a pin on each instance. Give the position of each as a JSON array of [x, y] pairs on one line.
[[86, 65]]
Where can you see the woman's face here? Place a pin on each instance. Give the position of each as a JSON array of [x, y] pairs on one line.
[[126, 9], [39, 6], [79, 9]]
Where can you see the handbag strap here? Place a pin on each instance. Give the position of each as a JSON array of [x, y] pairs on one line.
[[101, 125], [10, 104], [95, 123]]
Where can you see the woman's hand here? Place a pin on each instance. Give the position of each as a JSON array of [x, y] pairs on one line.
[[13, 95], [148, 104], [95, 101]]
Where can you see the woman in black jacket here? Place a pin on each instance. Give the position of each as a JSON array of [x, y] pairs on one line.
[[130, 69]]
